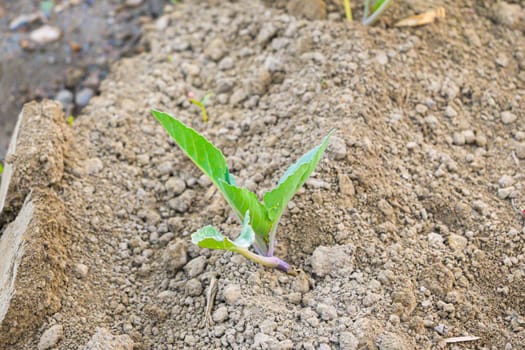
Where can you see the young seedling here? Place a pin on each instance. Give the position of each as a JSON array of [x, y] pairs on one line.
[[259, 219], [202, 105], [373, 10], [70, 120], [1, 168]]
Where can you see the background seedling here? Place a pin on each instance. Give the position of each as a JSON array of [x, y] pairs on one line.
[[259, 219], [1, 168], [373, 10], [202, 105], [70, 120]]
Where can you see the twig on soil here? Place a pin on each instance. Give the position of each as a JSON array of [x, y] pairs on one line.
[[210, 301], [461, 339]]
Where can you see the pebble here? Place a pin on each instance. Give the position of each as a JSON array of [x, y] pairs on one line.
[[221, 314], [216, 49], [457, 242], [83, 96], [238, 96], [520, 150], [335, 260], [51, 337], [450, 112], [45, 34], [392, 341], [24, 20], [175, 256], [193, 287], [104, 340], [93, 166], [382, 58], [435, 240], [470, 137], [510, 15], [348, 341], [506, 181], [345, 185], [508, 117], [175, 185], [458, 138], [326, 312], [311, 9], [504, 193], [337, 148], [195, 266], [232, 294], [65, 97], [81, 270]]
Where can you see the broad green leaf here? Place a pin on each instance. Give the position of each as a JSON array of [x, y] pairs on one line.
[[209, 237], [276, 200], [201, 151], [244, 200], [212, 162]]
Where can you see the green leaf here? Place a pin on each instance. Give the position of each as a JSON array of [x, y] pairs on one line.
[[296, 175], [212, 162], [209, 237]]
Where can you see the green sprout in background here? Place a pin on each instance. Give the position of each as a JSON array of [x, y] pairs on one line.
[[202, 105], [259, 219], [373, 10], [1, 168], [70, 120]]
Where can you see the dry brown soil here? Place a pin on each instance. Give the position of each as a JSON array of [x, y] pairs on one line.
[[407, 233]]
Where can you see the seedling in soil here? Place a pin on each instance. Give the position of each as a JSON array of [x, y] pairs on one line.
[[202, 105], [259, 220], [373, 10], [1, 168], [70, 120]]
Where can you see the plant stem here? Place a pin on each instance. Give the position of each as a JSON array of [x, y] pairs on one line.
[[348, 10], [367, 9], [268, 261], [369, 20]]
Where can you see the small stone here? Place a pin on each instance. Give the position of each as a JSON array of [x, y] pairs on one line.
[[327, 312], [104, 340], [83, 96], [195, 266], [45, 34], [421, 108], [175, 186], [65, 97], [337, 148], [216, 49], [133, 3], [93, 166], [348, 341], [221, 314], [382, 58], [175, 256], [458, 138], [166, 168], [193, 287], [504, 193], [166, 238], [392, 341], [345, 185], [502, 60], [507, 117], [435, 240], [51, 337], [267, 32], [510, 15], [457, 242], [238, 96], [506, 181], [520, 150], [264, 341], [80, 270], [431, 121], [311, 9], [481, 140], [268, 326], [336, 260], [450, 112], [232, 294], [470, 137]]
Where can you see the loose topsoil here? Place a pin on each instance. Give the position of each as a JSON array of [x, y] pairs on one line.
[[408, 233]]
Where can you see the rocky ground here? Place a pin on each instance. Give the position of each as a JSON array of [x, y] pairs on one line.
[[408, 234]]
